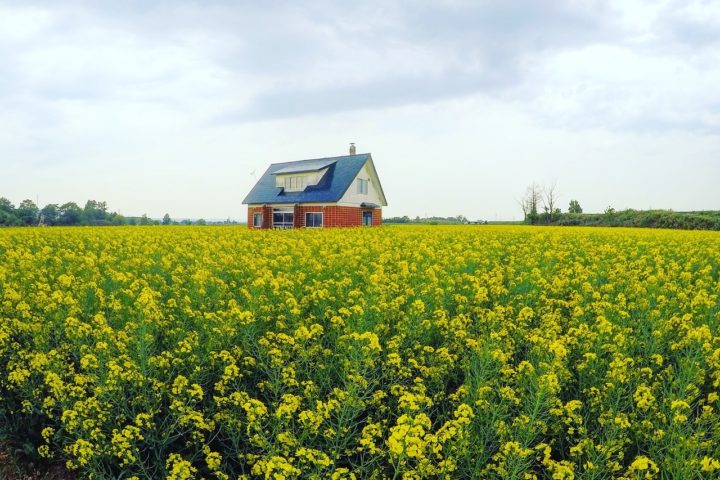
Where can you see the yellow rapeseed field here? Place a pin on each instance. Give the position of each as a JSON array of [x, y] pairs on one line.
[[395, 352]]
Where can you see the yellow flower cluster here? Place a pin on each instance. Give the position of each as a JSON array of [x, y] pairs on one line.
[[395, 352]]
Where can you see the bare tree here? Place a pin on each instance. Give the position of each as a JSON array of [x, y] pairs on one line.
[[550, 197], [529, 203], [524, 205]]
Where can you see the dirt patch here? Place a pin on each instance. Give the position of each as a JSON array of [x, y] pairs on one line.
[[13, 468]]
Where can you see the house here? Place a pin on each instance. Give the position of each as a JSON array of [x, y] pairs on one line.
[[323, 192]]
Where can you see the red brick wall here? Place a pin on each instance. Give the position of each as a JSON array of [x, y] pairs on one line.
[[301, 210], [333, 216], [251, 212], [266, 219]]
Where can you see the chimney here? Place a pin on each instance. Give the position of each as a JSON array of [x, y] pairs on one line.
[[352, 149]]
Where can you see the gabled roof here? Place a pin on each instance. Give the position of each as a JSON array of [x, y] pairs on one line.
[[341, 171]]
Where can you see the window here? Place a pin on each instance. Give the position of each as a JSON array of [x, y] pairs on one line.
[[282, 218], [295, 183], [367, 219], [257, 220], [314, 219], [362, 186]]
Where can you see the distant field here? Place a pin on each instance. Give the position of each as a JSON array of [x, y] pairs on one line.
[[393, 352]]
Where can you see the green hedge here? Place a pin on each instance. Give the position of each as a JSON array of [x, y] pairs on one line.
[[707, 220]]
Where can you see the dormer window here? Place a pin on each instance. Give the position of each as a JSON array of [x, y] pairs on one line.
[[298, 178], [362, 186], [295, 183]]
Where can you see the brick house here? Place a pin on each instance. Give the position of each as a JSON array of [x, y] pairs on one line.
[[324, 192]]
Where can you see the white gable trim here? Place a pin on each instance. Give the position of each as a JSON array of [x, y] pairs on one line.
[[376, 181], [375, 192]]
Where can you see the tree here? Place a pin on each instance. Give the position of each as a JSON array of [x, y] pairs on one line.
[[529, 203], [95, 212], [144, 220], [6, 206], [115, 218], [70, 213], [8, 216], [201, 221], [550, 196], [166, 219], [574, 207], [28, 212], [50, 214]]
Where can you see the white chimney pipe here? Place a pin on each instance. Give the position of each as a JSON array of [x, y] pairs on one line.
[[352, 149]]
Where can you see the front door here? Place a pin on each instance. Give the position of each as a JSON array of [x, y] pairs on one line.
[[367, 220]]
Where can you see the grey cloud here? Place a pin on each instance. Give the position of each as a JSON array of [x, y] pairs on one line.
[[282, 40], [680, 27], [535, 24], [283, 59], [374, 94], [489, 46], [696, 32], [629, 108]]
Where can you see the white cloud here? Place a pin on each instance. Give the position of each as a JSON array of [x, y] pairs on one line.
[[614, 87], [168, 106], [21, 24]]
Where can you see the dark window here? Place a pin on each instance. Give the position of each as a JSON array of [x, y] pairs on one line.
[[314, 219], [257, 220], [282, 219]]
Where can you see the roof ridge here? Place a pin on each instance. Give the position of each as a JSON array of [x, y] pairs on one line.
[[322, 158]]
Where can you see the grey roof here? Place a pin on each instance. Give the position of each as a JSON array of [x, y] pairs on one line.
[[341, 171], [305, 166]]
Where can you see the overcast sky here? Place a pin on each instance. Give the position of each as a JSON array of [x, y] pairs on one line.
[[170, 106]]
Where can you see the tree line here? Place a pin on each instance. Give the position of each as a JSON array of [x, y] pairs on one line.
[[540, 207], [27, 213], [427, 220]]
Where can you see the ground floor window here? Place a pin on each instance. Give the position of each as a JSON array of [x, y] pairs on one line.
[[283, 218], [367, 219], [257, 220], [314, 219]]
